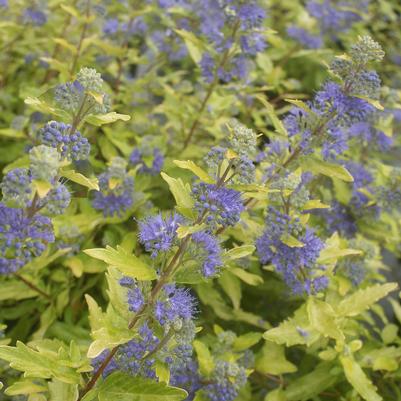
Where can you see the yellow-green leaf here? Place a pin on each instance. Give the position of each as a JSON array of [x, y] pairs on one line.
[[91, 183], [126, 263], [328, 169], [198, 171]]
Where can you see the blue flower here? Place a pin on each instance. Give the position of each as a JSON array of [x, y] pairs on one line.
[[138, 158], [17, 187], [297, 265], [135, 296], [116, 193], [34, 16], [304, 37], [158, 234], [220, 205], [174, 303], [71, 145], [208, 251], [21, 238]]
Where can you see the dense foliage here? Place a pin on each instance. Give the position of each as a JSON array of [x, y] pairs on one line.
[[200, 200]]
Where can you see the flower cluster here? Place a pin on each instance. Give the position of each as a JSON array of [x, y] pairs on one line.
[[158, 234], [149, 159], [85, 95], [116, 194], [332, 18], [17, 187], [21, 237], [208, 252], [220, 205], [335, 115], [71, 145], [297, 263]]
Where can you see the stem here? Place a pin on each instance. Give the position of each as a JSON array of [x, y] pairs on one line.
[[159, 346], [81, 39], [210, 90], [32, 286]]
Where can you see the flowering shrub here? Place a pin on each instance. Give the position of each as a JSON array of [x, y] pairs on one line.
[[200, 200]]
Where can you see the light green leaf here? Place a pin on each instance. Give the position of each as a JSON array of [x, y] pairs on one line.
[[162, 371], [42, 187], [11, 133], [198, 171], [91, 183], [307, 387], [323, 319], [328, 169], [182, 195], [25, 387], [331, 254], [232, 287], [278, 125], [195, 46], [295, 330], [375, 103], [37, 364], [358, 379], [246, 277], [43, 107], [126, 263], [239, 252], [315, 204], [300, 104], [183, 231], [123, 387], [205, 359], [62, 391], [364, 298], [108, 118], [271, 360], [246, 341], [291, 241], [276, 395]]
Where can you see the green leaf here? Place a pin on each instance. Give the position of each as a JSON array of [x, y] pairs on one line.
[[315, 204], [91, 183], [182, 195], [307, 387], [62, 391], [162, 371], [108, 118], [364, 298], [328, 169], [37, 364], [323, 319], [11, 133], [239, 252], [232, 287], [198, 171], [295, 330], [375, 103], [246, 277], [183, 231], [331, 254], [42, 187], [195, 46], [300, 104], [276, 395], [291, 241], [25, 387], [246, 341], [205, 359], [278, 125], [126, 263], [271, 360], [123, 387], [43, 107], [358, 379]]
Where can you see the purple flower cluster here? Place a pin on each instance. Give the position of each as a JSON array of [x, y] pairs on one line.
[[129, 357], [148, 165], [21, 238], [116, 193], [34, 16], [339, 218], [174, 304], [135, 296], [333, 18], [71, 146], [186, 376], [158, 234], [228, 378], [220, 205], [208, 251], [17, 187], [297, 265]]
